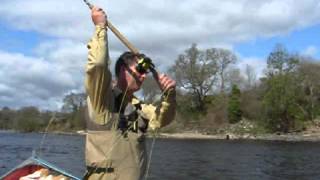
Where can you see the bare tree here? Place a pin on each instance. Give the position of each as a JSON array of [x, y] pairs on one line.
[[74, 105], [73, 102], [223, 58], [251, 76], [195, 71], [310, 73], [234, 77]]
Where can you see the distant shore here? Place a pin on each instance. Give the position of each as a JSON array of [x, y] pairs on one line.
[[270, 137], [302, 136]]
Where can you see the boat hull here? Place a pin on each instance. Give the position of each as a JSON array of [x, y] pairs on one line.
[[32, 165]]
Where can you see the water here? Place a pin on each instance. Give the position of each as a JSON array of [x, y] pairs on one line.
[[181, 159]]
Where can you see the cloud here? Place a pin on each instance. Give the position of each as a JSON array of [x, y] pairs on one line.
[[167, 26], [161, 29], [54, 18], [27, 81], [310, 51]]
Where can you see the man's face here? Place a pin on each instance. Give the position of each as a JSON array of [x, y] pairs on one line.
[[130, 77]]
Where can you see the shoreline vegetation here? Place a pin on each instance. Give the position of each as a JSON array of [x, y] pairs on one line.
[[214, 99], [305, 136], [268, 137], [294, 137]]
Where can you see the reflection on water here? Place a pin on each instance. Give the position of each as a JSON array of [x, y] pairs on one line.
[[181, 159]]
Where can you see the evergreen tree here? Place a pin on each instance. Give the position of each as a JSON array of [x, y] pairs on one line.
[[234, 111]]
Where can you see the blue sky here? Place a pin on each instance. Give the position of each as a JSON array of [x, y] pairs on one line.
[[296, 41], [43, 43], [20, 41]]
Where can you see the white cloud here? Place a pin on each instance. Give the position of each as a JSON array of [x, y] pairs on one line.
[[310, 51], [27, 81], [161, 29], [61, 19], [166, 26]]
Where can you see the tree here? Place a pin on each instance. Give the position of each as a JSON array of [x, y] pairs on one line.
[[282, 91], [234, 111], [251, 104], [28, 119], [251, 76], [7, 117], [234, 77], [74, 103], [280, 61], [310, 79], [223, 58], [195, 72]]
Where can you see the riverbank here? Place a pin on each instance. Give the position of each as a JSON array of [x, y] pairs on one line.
[[247, 130], [301, 136], [269, 137]]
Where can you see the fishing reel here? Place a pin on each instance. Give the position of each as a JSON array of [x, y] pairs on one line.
[[145, 65]]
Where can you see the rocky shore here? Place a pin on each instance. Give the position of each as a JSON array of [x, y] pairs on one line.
[[246, 130], [312, 134], [269, 137]]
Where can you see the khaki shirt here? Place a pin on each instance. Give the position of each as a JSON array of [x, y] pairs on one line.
[[98, 84]]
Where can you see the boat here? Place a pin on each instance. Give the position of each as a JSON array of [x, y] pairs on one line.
[[33, 166]]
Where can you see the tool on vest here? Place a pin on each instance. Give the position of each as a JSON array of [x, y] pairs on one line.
[[132, 119], [128, 119]]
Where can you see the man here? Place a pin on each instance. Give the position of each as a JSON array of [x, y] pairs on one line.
[[117, 120]]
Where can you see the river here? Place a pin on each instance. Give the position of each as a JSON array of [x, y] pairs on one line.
[[175, 159]]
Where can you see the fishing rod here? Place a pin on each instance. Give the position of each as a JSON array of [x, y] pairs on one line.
[[121, 37], [144, 64]]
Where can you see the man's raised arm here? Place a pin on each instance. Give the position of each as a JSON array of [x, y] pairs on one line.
[[98, 76]]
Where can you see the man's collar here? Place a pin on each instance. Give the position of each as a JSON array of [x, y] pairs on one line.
[[119, 92]]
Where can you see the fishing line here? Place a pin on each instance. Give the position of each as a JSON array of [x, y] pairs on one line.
[[53, 117], [150, 154], [153, 142]]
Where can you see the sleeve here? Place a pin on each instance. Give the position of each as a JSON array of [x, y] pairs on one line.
[[163, 114], [98, 77]]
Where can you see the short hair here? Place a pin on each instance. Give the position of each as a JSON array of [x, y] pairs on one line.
[[122, 60]]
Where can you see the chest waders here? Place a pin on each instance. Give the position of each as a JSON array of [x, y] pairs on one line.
[[117, 150]]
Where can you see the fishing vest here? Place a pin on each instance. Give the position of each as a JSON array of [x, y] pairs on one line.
[[129, 118], [117, 148]]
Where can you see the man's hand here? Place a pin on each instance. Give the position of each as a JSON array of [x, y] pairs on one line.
[[98, 16], [166, 82]]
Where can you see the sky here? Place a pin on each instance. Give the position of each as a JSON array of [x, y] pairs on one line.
[[43, 43]]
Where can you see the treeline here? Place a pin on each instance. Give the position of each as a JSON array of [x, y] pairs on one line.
[[31, 119], [212, 92]]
